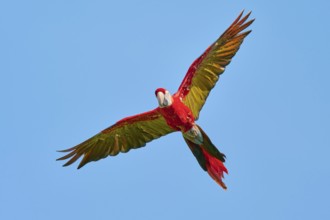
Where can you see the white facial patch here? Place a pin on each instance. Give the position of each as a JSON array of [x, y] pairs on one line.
[[167, 99], [164, 100]]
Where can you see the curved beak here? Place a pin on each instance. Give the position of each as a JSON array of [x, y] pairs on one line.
[[164, 99], [161, 98]]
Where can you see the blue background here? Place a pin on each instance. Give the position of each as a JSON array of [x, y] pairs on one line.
[[72, 68]]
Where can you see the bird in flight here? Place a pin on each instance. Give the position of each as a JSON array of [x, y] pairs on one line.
[[177, 112]]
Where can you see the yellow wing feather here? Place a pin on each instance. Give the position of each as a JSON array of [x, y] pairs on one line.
[[128, 133], [205, 71]]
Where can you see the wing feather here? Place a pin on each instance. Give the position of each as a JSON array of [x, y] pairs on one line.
[[128, 133], [205, 71]]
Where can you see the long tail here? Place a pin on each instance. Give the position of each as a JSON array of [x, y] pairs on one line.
[[209, 158]]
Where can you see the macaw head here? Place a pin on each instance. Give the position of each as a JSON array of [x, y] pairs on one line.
[[164, 97]]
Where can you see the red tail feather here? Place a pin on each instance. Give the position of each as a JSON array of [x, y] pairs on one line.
[[215, 168]]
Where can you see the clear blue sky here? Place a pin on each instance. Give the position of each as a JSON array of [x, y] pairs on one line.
[[72, 68]]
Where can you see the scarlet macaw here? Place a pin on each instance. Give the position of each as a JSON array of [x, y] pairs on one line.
[[174, 113]]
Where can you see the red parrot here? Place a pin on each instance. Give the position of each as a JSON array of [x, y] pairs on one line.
[[176, 112]]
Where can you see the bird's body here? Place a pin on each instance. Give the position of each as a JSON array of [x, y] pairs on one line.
[[175, 113], [178, 116]]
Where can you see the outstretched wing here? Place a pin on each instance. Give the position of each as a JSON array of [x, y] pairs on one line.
[[128, 133], [205, 71]]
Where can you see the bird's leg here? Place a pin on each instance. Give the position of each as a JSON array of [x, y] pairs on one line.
[[194, 135]]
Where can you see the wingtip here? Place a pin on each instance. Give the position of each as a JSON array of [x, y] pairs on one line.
[[239, 17], [248, 15], [83, 162], [66, 150], [61, 158], [241, 14], [242, 20], [246, 33], [80, 166], [68, 164]]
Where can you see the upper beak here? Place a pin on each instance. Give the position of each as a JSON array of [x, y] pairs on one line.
[[161, 98]]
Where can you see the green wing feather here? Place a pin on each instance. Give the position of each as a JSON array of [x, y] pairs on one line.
[[128, 133], [205, 71]]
